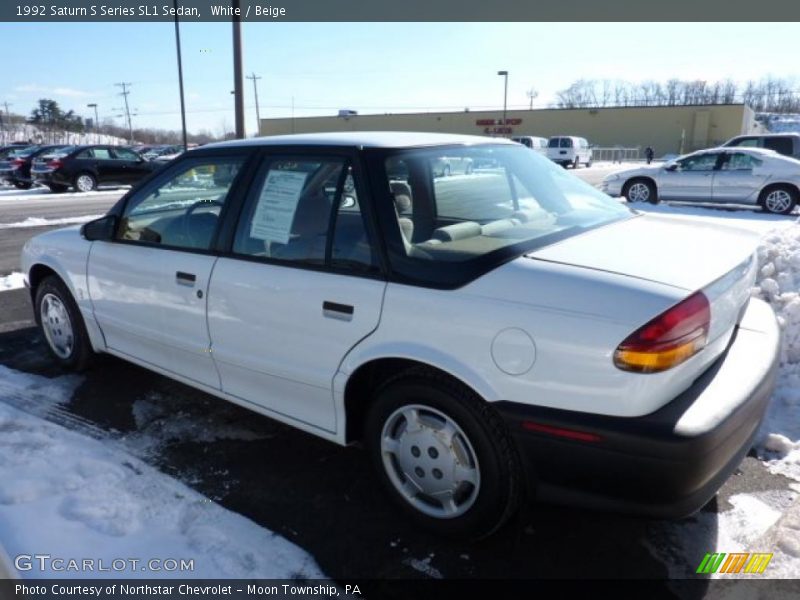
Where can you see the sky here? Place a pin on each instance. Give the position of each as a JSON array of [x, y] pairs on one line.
[[317, 68]]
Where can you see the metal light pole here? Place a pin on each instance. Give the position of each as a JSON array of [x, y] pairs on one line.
[[96, 120], [505, 96], [180, 73], [238, 79]]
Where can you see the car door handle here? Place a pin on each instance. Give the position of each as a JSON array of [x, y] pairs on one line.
[[334, 310], [185, 278]]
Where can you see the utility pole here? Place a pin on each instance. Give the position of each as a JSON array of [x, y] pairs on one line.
[[255, 78], [238, 81], [531, 94], [180, 74], [124, 94]]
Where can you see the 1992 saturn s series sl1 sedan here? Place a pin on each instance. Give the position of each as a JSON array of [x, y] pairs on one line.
[[487, 335]]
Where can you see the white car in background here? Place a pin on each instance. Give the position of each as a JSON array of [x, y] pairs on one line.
[[569, 151], [537, 144], [732, 175], [484, 336]]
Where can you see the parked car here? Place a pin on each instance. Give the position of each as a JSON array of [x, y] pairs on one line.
[[482, 335], [86, 167], [159, 151], [539, 144], [727, 175], [787, 144], [569, 151], [15, 168]]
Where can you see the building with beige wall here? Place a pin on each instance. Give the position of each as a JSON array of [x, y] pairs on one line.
[[668, 129]]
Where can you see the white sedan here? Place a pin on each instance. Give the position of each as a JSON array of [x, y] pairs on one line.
[[488, 337], [727, 175]]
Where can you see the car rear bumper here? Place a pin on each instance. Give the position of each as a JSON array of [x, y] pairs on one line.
[[669, 463], [49, 178]]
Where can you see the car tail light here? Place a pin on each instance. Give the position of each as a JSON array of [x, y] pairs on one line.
[[671, 338], [17, 162], [55, 164]]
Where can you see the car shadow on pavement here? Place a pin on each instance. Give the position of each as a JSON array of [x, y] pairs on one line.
[[323, 497]]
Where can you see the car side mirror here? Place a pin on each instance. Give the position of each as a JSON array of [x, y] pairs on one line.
[[672, 167], [100, 230]]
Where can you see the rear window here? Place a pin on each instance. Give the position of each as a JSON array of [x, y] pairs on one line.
[[783, 145], [510, 201], [563, 142]]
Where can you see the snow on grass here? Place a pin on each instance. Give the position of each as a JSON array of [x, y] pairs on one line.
[[73, 497], [752, 219], [13, 281], [41, 222]]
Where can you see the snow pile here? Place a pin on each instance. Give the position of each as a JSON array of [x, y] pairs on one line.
[[749, 525], [12, 282], [40, 222], [778, 283], [73, 497]]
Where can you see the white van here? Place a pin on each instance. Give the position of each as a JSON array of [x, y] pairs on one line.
[[569, 150], [538, 144]]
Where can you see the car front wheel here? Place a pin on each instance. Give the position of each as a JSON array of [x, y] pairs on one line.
[[640, 190], [779, 200], [62, 325], [443, 455]]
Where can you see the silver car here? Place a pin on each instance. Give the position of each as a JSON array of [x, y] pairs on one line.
[[728, 175]]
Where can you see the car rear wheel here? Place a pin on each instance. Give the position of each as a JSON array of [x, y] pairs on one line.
[[85, 182], [779, 200], [23, 185], [576, 163], [443, 455], [640, 190], [62, 325]]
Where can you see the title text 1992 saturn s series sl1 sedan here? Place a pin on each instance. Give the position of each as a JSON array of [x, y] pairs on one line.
[[487, 335]]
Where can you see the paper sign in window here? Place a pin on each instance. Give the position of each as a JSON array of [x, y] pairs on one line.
[[277, 204]]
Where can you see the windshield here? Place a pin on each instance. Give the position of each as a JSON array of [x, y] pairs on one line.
[[458, 204]]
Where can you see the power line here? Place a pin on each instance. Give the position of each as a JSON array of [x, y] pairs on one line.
[[124, 94], [255, 78]]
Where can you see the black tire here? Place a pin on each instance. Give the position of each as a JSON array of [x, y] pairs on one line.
[[576, 163], [499, 491], [651, 195], [23, 185], [80, 354], [91, 182], [589, 164], [58, 189], [768, 204]]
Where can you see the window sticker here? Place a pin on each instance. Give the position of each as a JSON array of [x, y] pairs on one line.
[[277, 204]]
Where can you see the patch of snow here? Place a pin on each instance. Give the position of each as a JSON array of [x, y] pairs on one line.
[[778, 283], [681, 545], [40, 222], [13, 281], [740, 217], [74, 497], [424, 566]]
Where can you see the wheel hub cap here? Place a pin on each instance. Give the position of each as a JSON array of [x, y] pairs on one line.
[[84, 183], [639, 192], [778, 201], [430, 461], [57, 326]]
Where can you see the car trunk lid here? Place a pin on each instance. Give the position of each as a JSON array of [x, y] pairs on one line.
[[716, 260]]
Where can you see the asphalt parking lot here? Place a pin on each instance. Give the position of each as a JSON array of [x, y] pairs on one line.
[[323, 497]]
